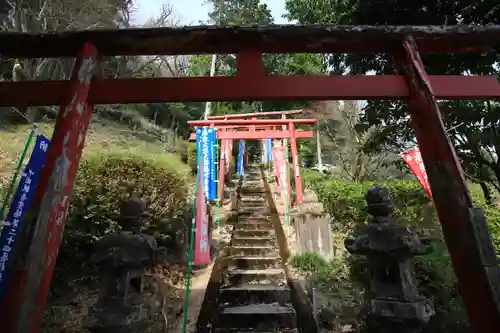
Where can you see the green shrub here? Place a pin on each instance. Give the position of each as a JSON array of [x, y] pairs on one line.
[[191, 156], [184, 152], [103, 180], [324, 273], [345, 202], [309, 262]]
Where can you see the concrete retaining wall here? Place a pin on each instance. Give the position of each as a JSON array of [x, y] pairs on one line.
[[308, 227]]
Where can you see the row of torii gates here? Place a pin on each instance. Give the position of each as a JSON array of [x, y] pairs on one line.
[[246, 126], [464, 228]]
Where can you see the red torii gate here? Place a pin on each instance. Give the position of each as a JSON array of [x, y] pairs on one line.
[[256, 115], [252, 116], [252, 133], [463, 227]]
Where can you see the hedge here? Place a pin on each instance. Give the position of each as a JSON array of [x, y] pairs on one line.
[[103, 180], [345, 202], [191, 156]]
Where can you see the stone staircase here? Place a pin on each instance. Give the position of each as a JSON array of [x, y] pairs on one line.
[[254, 296]]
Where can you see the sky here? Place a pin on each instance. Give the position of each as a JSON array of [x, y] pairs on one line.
[[190, 12]]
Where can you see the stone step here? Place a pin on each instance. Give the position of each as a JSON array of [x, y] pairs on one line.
[[253, 262], [252, 241], [250, 219], [254, 199], [239, 330], [253, 211], [257, 316], [253, 203], [253, 215], [255, 293], [266, 250], [253, 233], [236, 277], [253, 193], [255, 226]]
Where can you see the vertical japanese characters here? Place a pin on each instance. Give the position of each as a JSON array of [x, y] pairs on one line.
[[241, 168], [19, 206], [207, 144], [201, 239]]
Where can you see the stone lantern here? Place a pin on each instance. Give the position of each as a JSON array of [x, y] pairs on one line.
[[396, 305], [123, 305]]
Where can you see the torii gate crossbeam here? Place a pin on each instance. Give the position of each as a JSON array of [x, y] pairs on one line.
[[463, 228]]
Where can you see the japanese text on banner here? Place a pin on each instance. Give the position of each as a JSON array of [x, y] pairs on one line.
[[212, 142], [269, 150], [205, 160], [202, 245], [241, 151], [20, 205]]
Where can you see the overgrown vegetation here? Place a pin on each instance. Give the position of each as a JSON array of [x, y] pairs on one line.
[[104, 180], [345, 203]]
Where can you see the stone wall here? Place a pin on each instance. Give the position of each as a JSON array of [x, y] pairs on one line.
[[308, 227]]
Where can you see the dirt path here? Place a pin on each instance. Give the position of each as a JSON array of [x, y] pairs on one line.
[[198, 286], [200, 278]]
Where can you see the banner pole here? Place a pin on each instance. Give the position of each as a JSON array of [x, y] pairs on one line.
[[191, 243]]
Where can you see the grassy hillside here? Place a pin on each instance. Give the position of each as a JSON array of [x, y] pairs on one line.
[[103, 136]]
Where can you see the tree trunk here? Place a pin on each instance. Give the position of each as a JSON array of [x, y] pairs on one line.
[[496, 170], [486, 193]]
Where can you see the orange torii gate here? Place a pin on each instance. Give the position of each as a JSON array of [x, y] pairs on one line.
[[463, 225], [254, 129]]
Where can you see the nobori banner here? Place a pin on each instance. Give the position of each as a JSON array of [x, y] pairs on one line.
[[413, 159], [240, 167], [269, 150], [205, 144], [201, 240], [19, 206], [212, 154]]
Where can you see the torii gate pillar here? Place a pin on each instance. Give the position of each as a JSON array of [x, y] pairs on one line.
[[24, 304], [464, 228]]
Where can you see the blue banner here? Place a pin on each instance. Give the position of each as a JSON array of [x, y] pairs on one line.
[[240, 167], [202, 151], [20, 205], [212, 177], [205, 143], [269, 150]]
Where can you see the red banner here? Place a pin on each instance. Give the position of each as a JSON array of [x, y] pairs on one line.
[[413, 159], [201, 239], [278, 157], [280, 169], [223, 155], [229, 153]]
